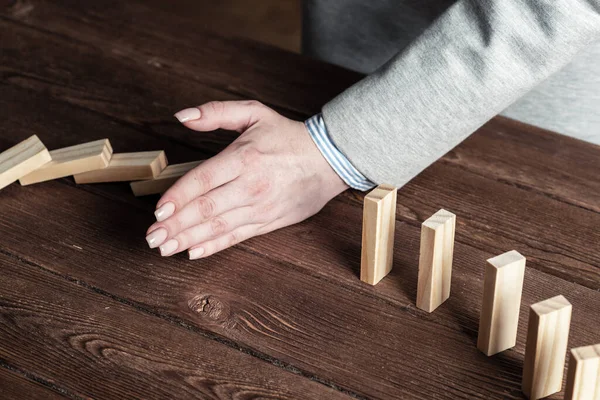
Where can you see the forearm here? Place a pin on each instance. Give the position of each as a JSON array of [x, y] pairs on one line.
[[474, 61]]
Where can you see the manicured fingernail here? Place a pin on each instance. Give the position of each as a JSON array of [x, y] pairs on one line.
[[169, 248], [188, 114], [165, 211], [196, 253], [156, 238]]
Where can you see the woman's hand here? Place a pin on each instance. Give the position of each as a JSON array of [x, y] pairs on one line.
[[270, 177]]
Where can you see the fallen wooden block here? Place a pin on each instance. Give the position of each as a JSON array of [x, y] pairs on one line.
[[379, 223], [72, 160], [546, 348], [164, 180], [22, 159], [502, 288], [583, 378], [127, 167], [435, 260]]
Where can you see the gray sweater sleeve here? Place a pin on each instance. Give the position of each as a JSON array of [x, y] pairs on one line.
[[469, 65]]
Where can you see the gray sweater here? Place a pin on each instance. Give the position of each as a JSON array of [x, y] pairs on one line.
[[439, 69]]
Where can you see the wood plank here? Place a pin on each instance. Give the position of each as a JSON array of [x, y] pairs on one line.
[[547, 338], [312, 324], [566, 172], [96, 347], [72, 160], [561, 251], [21, 159], [379, 224], [125, 167], [516, 161], [583, 380], [164, 180], [16, 386], [435, 260], [502, 289]]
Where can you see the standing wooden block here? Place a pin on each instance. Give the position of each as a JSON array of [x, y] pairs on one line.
[[72, 160], [164, 180], [502, 290], [546, 349], [22, 159], [583, 378], [127, 167], [379, 223], [435, 260]]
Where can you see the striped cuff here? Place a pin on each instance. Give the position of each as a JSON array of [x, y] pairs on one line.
[[340, 164]]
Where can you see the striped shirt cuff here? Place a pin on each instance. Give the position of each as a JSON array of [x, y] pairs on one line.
[[340, 164]]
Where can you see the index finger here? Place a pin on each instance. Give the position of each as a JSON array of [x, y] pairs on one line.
[[212, 173]]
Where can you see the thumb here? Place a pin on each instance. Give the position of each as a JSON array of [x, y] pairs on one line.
[[230, 115]]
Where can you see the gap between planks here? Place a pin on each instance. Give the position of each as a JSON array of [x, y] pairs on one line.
[[191, 327]]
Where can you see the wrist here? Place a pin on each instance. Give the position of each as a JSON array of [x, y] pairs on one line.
[[337, 161]]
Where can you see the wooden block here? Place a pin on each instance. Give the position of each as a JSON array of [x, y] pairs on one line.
[[164, 180], [379, 223], [72, 160], [127, 167], [546, 349], [502, 288], [435, 260], [22, 159], [583, 378]]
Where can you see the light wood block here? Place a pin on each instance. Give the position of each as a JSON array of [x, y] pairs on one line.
[[127, 167], [435, 260], [164, 180], [379, 223], [22, 159], [546, 349], [583, 378], [72, 160], [502, 288]]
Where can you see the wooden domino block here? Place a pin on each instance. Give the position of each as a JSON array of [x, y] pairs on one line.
[[127, 167], [546, 349], [164, 180], [22, 159], [379, 223], [71, 161], [435, 260], [583, 378], [502, 288]]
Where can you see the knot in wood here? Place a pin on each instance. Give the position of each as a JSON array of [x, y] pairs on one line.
[[210, 307]]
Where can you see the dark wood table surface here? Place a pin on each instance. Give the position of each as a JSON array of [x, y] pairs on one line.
[[88, 311]]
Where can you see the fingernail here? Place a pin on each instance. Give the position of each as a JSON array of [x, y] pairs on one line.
[[169, 248], [165, 211], [156, 238], [188, 114], [196, 253]]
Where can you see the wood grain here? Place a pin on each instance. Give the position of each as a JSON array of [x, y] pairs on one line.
[[435, 260], [125, 167], [378, 227], [14, 386], [97, 347], [22, 159], [164, 180], [547, 339], [72, 160], [502, 289], [583, 378], [264, 304]]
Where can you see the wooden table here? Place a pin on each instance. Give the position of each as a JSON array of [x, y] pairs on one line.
[[88, 311]]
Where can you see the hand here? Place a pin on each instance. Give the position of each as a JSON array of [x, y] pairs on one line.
[[271, 176]]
